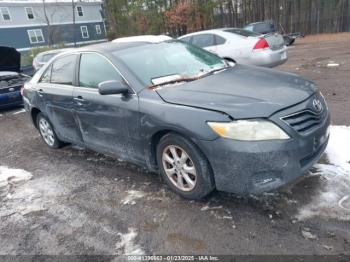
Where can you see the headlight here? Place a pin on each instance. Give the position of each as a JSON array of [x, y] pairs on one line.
[[249, 130]]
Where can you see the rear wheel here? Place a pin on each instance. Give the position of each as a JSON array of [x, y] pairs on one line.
[[47, 132], [184, 168]]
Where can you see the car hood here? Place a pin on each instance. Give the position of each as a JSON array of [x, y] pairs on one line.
[[8, 73], [10, 59], [241, 91]]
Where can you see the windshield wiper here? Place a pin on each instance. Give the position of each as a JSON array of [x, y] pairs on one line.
[[174, 81], [189, 79], [213, 71]]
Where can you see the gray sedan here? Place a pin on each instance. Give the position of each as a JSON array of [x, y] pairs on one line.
[[183, 112]]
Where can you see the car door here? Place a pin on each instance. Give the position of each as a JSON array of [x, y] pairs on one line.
[[55, 89], [206, 41], [108, 123]]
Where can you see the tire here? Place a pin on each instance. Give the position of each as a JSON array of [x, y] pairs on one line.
[[291, 42], [288, 40], [47, 132], [191, 178], [230, 60]]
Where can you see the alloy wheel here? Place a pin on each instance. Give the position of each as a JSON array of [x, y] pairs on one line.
[[46, 132], [179, 168]]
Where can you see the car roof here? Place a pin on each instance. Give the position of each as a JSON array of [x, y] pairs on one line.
[[143, 38], [261, 22], [110, 46], [204, 31], [105, 47], [53, 51], [220, 31]]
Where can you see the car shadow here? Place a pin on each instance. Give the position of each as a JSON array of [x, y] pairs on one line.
[[279, 204], [10, 109]]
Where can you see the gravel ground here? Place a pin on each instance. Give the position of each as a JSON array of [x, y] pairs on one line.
[[74, 201]]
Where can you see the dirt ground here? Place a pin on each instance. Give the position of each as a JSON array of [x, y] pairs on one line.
[[73, 201], [311, 56]]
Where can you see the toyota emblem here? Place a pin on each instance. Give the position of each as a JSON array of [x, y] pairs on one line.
[[317, 105]]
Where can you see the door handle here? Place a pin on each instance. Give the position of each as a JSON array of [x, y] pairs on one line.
[[79, 99], [40, 92]]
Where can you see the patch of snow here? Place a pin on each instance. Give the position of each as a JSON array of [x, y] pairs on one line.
[[28, 194], [126, 245], [332, 65], [19, 112], [344, 201], [333, 199], [132, 196], [33, 208], [207, 207], [308, 235], [327, 247], [10, 176], [6, 213], [338, 150]]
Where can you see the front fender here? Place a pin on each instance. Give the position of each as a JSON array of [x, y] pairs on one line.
[[158, 117]]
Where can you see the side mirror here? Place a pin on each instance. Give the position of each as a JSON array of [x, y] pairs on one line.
[[113, 87]]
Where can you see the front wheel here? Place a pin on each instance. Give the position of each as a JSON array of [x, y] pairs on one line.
[[184, 167], [47, 132]]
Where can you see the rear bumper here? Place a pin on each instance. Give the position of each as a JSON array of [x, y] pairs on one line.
[[255, 167], [269, 58]]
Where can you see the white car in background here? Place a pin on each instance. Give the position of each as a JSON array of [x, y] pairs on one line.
[[241, 46], [42, 58], [143, 38]]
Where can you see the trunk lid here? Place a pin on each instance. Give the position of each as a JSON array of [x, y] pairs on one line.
[[275, 41]]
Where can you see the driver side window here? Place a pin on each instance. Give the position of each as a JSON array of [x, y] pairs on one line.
[[95, 69]]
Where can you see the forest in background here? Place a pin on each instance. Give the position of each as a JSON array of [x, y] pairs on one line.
[[178, 17]]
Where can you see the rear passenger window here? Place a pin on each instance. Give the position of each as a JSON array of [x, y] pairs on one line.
[[46, 77], [63, 70], [249, 28], [203, 40], [186, 39], [264, 28], [95, 69], [219, 40]]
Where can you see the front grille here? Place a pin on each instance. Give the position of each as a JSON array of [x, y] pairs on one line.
[[304, 121]]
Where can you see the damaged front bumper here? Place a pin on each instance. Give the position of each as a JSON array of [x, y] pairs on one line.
[[254, 167]]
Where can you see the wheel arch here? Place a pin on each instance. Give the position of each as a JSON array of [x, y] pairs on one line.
[[34, 114], [230, 59], [157, 136]]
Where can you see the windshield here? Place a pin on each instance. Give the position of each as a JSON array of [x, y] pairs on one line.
[[154, 64], [249, 28]]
